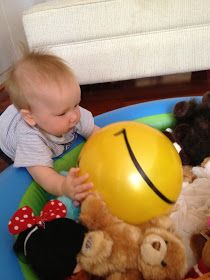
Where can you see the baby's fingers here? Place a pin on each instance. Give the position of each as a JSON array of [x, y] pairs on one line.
[[81, 196], [81, 179], [74, 174], [81, 191], [83, 188], [74, 171]]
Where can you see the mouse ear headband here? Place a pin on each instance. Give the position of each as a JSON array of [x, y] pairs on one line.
[[24, 218]]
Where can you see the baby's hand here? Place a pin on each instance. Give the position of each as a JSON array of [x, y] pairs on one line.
[[74, 186]]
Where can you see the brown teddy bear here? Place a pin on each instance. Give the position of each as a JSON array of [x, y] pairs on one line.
[[161, 255], [114, 243], [120, 251]]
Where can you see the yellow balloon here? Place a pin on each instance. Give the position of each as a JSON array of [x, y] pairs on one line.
[[135, 168]]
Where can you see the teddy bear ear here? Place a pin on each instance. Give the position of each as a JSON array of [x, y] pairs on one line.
[[184, 109], [97, 244], [206, 99]]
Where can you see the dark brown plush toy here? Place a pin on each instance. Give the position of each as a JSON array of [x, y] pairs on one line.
[[200, 244], [192, 129]]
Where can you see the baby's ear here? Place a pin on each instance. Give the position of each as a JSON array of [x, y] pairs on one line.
[[27, 116]]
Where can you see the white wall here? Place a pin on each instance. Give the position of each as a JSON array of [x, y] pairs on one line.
[[11, 31]]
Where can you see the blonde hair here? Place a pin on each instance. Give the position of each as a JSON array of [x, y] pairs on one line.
[[32, 69]]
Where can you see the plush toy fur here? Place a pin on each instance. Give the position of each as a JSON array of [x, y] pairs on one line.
[[193, 205], [121, 251], [202, 171], [200, 243], [192, 129], [112, 240], [190, 173], [51, 250], [193, 208]]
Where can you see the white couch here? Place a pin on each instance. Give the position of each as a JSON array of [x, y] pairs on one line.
[[110, 40]]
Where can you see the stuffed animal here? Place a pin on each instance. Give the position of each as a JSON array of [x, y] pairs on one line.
[[193, 206], [192, 129], [49, 243], [150, 251], [117, 242], [200, 243], [56, 247], [162, 255], [190, 173], [202, 171]]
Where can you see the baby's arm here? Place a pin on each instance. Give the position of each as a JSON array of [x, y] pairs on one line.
[[72, 185]]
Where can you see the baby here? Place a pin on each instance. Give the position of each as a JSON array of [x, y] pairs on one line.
[[43, 121]]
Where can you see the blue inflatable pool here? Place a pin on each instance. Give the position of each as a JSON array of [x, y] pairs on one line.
[[17, 187]]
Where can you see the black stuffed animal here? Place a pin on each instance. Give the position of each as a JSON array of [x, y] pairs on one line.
[[192, 129]]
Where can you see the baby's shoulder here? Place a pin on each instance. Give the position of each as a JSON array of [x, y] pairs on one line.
[[23, 129], [9, 119], [9, 112]]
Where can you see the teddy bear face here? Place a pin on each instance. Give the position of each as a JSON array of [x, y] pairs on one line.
[[96, 249], [124, 238], [160, 254], [103, 255]]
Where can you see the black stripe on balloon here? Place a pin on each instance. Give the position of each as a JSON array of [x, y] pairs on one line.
[[140, 170]]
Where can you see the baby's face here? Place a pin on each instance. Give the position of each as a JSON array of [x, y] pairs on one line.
[[56, 111]]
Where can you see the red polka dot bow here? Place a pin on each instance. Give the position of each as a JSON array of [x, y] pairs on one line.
[[24, 218]]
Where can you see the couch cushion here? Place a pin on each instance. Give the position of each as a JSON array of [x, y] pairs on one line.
[[110, 40], [76, 20]]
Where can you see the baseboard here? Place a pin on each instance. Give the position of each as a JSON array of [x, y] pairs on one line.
[[162, 80]]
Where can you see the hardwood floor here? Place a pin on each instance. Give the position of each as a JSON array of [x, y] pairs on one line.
[[101, 98]]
